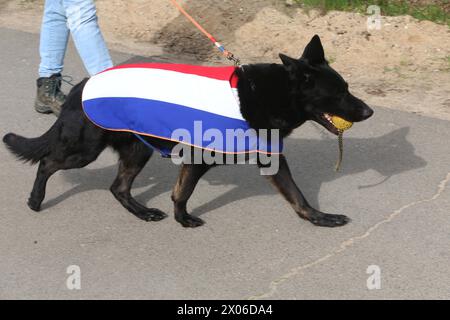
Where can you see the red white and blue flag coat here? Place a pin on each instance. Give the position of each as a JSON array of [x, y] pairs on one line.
[[154, 100]]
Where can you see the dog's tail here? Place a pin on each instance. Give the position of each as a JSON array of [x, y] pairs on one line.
[[29, 149]]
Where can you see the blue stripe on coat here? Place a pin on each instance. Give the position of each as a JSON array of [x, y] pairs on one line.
[[159, 118]]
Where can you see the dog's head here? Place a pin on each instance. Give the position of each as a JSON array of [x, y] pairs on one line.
[[320, 91]]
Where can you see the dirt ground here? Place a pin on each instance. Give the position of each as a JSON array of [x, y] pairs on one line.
[[405, 65]]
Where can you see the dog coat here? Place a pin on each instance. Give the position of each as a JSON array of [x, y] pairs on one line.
[[193, 105]]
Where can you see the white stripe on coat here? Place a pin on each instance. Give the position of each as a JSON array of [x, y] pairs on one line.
[[193, 91]]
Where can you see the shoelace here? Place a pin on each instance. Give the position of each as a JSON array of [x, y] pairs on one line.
[[55, 85], [52, 86], [68, 79]]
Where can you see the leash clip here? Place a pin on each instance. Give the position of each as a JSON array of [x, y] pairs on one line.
[[231, 57]]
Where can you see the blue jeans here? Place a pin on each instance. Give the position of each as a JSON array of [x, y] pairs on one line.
[[79, 18]]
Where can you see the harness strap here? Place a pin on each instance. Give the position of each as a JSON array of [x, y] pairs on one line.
[[162, 152]]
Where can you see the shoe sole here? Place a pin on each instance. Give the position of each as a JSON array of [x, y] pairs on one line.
[[44, 109]]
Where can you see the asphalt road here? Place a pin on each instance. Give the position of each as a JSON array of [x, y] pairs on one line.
[[394, 185]]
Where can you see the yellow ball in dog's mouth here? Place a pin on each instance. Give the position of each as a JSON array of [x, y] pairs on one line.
[[341, 124]]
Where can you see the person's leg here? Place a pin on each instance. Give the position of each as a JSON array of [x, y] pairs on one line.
[[54, 37], [53, 43], [83, 25]]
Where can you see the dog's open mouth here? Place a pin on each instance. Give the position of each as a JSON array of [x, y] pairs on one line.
[[325, 119]]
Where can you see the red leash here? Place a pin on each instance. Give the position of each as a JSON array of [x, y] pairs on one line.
[[225, 52]]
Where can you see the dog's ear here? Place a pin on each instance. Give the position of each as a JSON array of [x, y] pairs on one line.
[[288, 61], [314, 52], [297, 67]]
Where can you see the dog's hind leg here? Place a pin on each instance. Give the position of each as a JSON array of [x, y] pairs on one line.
[[50, 165], [189, 176], [46, 169], [283, 181], [133, 158]]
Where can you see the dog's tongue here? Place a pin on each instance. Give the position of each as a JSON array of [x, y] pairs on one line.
[[341, 124]]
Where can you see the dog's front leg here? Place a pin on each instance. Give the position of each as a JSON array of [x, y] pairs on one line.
[[190, 174], [283, 181]]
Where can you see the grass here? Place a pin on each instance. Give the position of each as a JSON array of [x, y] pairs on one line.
[[435, 13]]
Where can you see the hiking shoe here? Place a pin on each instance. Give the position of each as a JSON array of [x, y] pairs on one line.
[[49, 96]]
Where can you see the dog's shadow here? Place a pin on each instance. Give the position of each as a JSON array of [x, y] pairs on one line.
[[310, 160]]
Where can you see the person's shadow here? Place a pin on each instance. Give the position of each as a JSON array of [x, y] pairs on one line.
[[311, 162]]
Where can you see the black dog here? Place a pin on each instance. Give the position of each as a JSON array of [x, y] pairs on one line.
[[272, 96]]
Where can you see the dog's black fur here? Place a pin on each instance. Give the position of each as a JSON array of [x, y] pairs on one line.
[[272, 96]]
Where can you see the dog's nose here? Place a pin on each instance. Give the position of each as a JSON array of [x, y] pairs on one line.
[[366, 113]]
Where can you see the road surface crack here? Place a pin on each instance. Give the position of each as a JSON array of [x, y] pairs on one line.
[[349, 243]]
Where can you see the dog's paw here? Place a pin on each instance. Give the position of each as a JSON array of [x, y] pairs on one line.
[[189, 221], [152, 215], [34, 205], [329, 220]]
